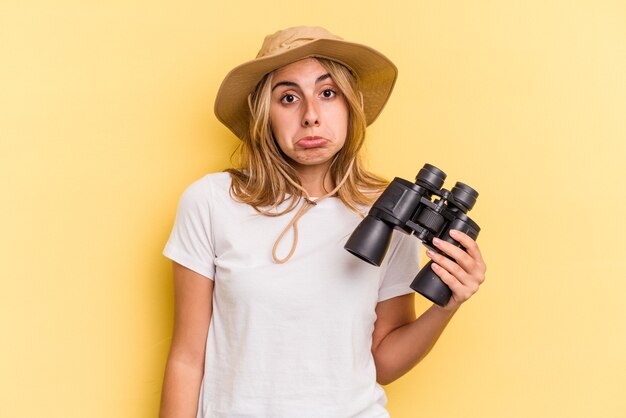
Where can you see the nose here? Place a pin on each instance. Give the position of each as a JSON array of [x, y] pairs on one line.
[[311, 115]]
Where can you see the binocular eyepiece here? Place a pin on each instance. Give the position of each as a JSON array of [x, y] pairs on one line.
[[410, 208]]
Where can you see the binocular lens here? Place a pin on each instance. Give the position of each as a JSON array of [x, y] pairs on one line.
[[431, 175], [464, 195]]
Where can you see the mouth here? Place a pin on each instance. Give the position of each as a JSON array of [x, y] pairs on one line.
[[312, 142]]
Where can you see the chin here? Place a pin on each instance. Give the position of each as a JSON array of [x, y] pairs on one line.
[[314, 160]]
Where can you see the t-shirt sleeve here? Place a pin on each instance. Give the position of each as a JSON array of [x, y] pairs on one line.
[[191, 240], [401, 267]]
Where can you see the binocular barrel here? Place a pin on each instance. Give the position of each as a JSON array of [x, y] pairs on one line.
[[370, 240]]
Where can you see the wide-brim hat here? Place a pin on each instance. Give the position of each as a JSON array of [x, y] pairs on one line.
[[375, 73]]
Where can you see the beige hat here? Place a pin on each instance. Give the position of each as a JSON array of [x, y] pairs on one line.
[[375, 72]]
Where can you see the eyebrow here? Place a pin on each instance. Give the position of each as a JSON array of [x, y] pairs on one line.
[[292, 84]]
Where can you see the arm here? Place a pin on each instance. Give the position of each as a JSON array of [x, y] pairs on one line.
[[193, 294], [400, 341]]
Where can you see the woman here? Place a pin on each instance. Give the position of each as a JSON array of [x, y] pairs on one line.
[[272, 317]]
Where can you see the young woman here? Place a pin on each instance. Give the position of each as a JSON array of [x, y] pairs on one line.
[[273, 318]]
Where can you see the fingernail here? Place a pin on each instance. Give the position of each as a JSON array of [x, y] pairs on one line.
[[454, 232], [430, 253], [436, 241]]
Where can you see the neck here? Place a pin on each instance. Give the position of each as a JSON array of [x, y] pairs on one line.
[[314, 179]]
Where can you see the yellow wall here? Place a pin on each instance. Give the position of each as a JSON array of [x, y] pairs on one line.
[[106, 116]]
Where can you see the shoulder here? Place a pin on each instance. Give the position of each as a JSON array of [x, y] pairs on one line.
[[206, 188]]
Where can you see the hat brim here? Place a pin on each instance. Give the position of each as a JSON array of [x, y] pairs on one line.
[[376, 76]]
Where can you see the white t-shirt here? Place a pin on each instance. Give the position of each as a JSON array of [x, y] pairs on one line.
[[293, 339]]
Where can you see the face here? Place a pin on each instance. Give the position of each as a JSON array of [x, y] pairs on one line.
[[308, 113]]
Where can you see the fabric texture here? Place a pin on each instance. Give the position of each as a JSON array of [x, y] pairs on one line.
[[291, 339]]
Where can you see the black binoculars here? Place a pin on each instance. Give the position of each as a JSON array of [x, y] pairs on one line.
[[410, 208]]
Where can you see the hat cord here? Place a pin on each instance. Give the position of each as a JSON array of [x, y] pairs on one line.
[[308, 204]]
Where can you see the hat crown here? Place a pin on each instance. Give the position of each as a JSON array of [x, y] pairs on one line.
[[290, 38]]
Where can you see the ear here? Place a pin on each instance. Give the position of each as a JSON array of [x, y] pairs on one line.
[[250, 103]]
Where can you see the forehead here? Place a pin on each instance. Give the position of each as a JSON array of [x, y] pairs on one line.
[[303, 69]]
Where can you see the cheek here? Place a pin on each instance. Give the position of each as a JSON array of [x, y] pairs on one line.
[[279, 132], [342, 128], [281, 125]]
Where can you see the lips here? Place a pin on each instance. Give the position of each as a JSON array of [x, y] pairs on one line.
[[312, 142]]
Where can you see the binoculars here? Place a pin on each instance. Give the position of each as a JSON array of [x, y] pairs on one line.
[[410, 208]]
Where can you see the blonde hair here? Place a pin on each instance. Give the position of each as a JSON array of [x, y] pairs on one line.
[[259, 181]]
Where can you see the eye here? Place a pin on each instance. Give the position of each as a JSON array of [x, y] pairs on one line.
[[288, 99], [329, 93]]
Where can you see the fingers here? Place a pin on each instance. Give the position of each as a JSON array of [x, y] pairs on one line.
[[470, 246], [471, 259], [462, 258], [452, 282], [460, 292], [465, 272], [449, 266]]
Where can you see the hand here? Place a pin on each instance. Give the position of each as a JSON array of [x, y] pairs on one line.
[[464, 276]]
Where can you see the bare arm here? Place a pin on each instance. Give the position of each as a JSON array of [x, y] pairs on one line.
[[193, 294], [400, 341]]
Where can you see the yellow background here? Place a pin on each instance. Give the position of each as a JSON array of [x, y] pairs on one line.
[[106, 116]]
